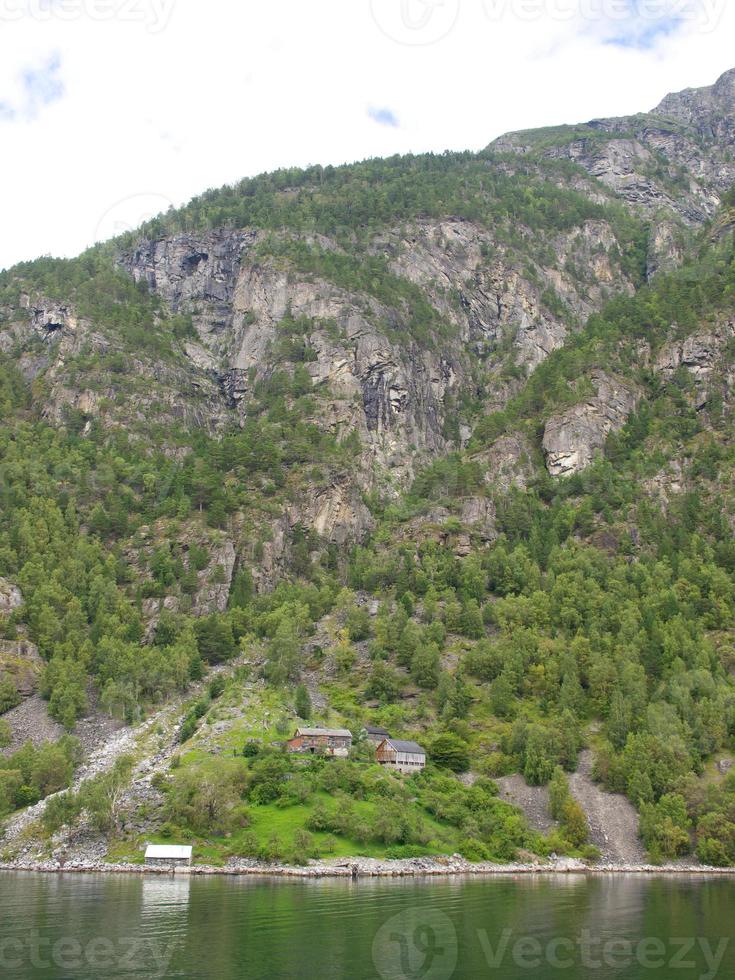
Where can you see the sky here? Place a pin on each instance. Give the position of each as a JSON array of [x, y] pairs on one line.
[[114, 110]]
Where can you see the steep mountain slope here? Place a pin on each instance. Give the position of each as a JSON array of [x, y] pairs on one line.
[[447, 440], [678, 158]]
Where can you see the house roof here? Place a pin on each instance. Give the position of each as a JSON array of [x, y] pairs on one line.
[[377, 730], [169, 852], [331, 732], [401, 746]]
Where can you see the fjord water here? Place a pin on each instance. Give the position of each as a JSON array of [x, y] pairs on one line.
[[241, 928]]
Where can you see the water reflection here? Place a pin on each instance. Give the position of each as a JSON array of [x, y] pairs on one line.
[[171, 892], [250, 928]]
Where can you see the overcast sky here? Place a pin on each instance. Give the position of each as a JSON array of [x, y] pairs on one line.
[[111, 110]]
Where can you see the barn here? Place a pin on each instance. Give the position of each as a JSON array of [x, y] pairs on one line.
[[375, 734], [321, 741], [168, 856], [406, 757]]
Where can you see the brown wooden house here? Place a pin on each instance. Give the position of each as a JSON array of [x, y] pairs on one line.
[[321, 741], [406, 757], [375, 734]]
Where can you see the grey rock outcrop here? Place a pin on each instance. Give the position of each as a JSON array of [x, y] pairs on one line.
[[10, 597], [478, 514], [337, 513], [500, 301], [572, 438], [21, 661], [701, 355], [193, 269], [507, 463], [216, 580]]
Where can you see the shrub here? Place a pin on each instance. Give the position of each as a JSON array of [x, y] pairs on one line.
[[450, 752], [474, 850]]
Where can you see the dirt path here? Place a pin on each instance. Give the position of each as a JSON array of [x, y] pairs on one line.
[[612, 818]]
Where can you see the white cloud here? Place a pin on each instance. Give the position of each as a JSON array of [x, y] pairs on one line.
[[164, 98], [36, 86], [383, 116]]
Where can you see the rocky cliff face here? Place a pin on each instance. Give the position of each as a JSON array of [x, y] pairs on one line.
[[21, 662], [507, 311], [390, 390], [701, 355], [572, 438], [677, 159], [505, 297], [52, 338]]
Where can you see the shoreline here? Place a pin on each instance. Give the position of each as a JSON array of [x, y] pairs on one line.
[[367, 868]]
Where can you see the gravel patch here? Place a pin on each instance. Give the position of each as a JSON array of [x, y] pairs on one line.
[[532, 800], [30, 722], [612, 818]]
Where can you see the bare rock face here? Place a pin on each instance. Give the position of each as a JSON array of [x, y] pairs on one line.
[[174, 393], [665, 247], [51, 318], [337, 513], [216, 580], [507, 463], [572, 438], [700, 354], [10, 597], [371, 378], [478, 514], [708, 110], [188, 269], [39, 318], [499, 301], [21, 661], [390, 392]]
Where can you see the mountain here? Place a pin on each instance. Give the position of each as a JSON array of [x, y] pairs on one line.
[[443, 441]]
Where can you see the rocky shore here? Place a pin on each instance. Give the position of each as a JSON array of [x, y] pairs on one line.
[[368, 868]]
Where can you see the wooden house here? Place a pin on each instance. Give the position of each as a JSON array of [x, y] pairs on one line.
[[321, 741], [406, 757], [375, 734]]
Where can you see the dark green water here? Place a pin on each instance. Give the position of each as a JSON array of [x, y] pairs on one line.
[[239, 928]]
